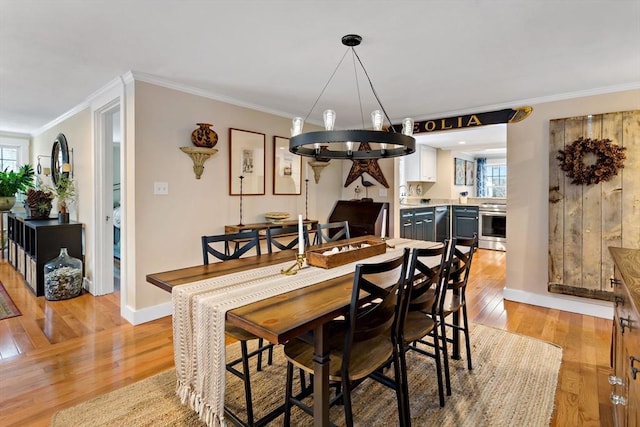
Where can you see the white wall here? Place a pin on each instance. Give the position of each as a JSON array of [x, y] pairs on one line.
[[167, 228], [527, 189]]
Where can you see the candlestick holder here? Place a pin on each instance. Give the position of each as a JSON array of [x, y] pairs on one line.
[[299, 265], [241, 178], [306, 199]]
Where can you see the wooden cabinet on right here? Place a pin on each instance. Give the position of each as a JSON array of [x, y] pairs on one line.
[[625, 381], [422, 165]]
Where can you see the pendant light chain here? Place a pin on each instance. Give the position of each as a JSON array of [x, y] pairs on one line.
[[355, 73], [326, 85], [375, 94]]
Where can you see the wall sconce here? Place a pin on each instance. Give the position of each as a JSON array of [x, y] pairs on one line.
[[198, 155], [39, 169], [317, 167]]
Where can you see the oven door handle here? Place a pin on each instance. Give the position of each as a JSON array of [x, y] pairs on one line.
[[493, 213]]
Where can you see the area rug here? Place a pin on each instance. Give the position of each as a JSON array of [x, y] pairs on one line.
[[513, 383], [7, 307]]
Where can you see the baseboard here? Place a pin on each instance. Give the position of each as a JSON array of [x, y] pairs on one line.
[[136, 317], [597, 308]]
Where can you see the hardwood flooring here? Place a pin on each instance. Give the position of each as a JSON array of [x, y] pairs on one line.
[[60, 353]]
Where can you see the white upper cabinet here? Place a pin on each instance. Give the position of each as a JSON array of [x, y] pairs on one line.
[[422, 165]]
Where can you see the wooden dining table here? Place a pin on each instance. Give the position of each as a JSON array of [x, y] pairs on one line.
[[282, 317]]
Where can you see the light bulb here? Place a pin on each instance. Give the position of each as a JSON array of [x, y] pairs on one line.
[[407, 126], [296, 129], [376, 119], [329, 119]]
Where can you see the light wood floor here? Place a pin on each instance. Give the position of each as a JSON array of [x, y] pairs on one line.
[[61, 353]]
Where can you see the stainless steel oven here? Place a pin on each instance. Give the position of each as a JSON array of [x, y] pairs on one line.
[[492, 226]]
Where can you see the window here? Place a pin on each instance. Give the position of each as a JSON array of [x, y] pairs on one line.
[[14, 152], [496, 180], [9, 158]]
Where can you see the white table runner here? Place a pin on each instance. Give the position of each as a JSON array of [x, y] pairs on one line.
[[199, 311]]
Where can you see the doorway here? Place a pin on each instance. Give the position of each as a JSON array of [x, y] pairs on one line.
[[109, 198]]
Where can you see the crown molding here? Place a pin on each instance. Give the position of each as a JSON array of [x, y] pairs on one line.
[[169, 84], [533, 101], [113, 84]]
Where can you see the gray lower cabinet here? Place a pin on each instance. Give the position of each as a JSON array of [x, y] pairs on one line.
[[465, 221], [442, 222], [418, 223]]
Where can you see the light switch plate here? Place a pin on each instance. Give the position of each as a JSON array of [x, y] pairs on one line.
[[161, 188]]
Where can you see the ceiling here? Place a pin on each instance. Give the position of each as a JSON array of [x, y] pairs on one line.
[[425, 59]]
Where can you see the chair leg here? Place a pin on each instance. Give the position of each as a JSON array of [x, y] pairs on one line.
[[288, 393], [346, 398], [466, 336], [259, 367], [402, 387], [445, 355], [247, 382], [436, 350]]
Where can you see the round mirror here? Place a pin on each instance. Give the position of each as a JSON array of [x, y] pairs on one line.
[[59, 158]]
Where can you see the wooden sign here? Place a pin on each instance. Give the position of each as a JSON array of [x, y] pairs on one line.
[[508, 115]]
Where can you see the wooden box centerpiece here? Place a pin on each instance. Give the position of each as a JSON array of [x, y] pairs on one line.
[[341, 252]]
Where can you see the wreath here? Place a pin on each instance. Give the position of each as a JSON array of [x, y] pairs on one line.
[[609, 158]]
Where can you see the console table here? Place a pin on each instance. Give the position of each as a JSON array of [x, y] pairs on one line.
[[260, 226], [34, 242]]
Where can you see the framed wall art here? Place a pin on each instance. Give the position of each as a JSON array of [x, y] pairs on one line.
[[459, 172], [469, 172], [246, 159], [287, 168]]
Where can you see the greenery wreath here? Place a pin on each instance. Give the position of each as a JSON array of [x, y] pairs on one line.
[[609, 158]]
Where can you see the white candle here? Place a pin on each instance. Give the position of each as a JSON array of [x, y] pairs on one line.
[[384, 224], [300, 236]]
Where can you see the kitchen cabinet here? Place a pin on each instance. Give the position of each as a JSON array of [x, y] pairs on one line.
[[465, 221], [422, 165], [625, 381], [418, 223], [442, 223], [32, 243]]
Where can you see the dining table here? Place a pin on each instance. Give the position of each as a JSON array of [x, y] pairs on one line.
[[281, 317]]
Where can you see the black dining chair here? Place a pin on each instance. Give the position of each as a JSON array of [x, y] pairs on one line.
[[454, 301], [361, 343], [332, 231], [427, 275], [283, 238], [227, 247]]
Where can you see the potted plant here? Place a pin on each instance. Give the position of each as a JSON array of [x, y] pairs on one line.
[[65, 191], [39, 203], [12, 182]]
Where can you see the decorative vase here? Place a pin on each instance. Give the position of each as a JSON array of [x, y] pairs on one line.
[[6, 203], [204, 136], [63, 217], [62, 277]]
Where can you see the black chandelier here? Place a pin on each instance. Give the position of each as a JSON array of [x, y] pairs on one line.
[[339, 144]]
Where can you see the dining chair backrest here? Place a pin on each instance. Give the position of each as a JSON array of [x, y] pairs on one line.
[[385, 282], [275, 237], [463, 250], [229, 246], [332, 231], [428, 273]]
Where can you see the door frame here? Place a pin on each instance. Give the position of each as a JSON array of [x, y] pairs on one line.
[[102, 109]]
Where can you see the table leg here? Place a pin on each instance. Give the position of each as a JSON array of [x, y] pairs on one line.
[[320, 377]]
